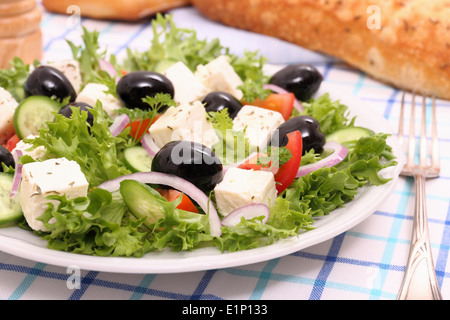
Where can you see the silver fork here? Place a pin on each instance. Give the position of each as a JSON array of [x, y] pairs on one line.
[[420, 281]]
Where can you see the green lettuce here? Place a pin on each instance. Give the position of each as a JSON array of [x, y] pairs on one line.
[[283, 222], [322, 191], [171, 44], [331, 115], [88, 55], [13, 78], [93, 225], [327, 189], [367, 158], [94, 148], [101, 225], [180, 230]]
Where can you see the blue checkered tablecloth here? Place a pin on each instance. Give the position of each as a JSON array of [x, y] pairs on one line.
[[366, 262]]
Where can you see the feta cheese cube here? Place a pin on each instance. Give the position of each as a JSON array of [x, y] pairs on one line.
[[71, 69], [241, 187], [186, 122], [8, 106], [50, 177], [219, 75], [187, 87], [97, 91], [36, 153], [258, 123]]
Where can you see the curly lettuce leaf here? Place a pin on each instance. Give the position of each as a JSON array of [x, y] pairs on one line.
[[7, 169], [171, 44], [327, 189], [88, 55], [322, 191], [166, 225], [331, 115], [249, 67], [93, 225], [181, 231], [101, 225], [367, 158], [94, 148], [13, 78], [283, 222]]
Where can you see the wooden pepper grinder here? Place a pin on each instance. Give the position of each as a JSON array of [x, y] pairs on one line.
[[20, 32]]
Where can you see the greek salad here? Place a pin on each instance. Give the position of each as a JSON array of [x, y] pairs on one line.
[[182, 146]]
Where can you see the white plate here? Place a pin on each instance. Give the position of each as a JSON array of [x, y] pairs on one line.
[[24, 244]]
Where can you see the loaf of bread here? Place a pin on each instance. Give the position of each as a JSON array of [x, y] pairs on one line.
[[128, 10], [405, 43]]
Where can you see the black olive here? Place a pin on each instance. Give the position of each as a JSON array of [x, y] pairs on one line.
[[218, 100], [6, 158], [67, 111], [135, 86], [312, 137], [191, 161], [301, 79], [50, 82]]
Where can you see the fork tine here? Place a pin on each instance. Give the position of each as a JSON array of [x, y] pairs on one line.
[[400, 122], [412, 138], [435, 162], [423, 134]]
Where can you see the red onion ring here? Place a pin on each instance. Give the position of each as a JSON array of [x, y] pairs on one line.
[[177, 183], [339, 154], [17, 173], [247, 212], [108, 67], [119, 124], [274, 88], [277, 89], [149, 144]]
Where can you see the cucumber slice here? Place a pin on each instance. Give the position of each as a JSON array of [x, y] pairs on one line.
[[10, 209], [32, 113], [143, 201], [349, 134], [137, 159]]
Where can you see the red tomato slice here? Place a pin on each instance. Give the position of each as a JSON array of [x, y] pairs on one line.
[[285, 174], [12, 142], [186, 204], [252, 164], [140, 127], [280, 102]]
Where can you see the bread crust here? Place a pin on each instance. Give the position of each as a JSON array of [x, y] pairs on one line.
[[114, 9], [410, 49]]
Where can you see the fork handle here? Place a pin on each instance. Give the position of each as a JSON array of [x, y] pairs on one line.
[[420, 281]]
